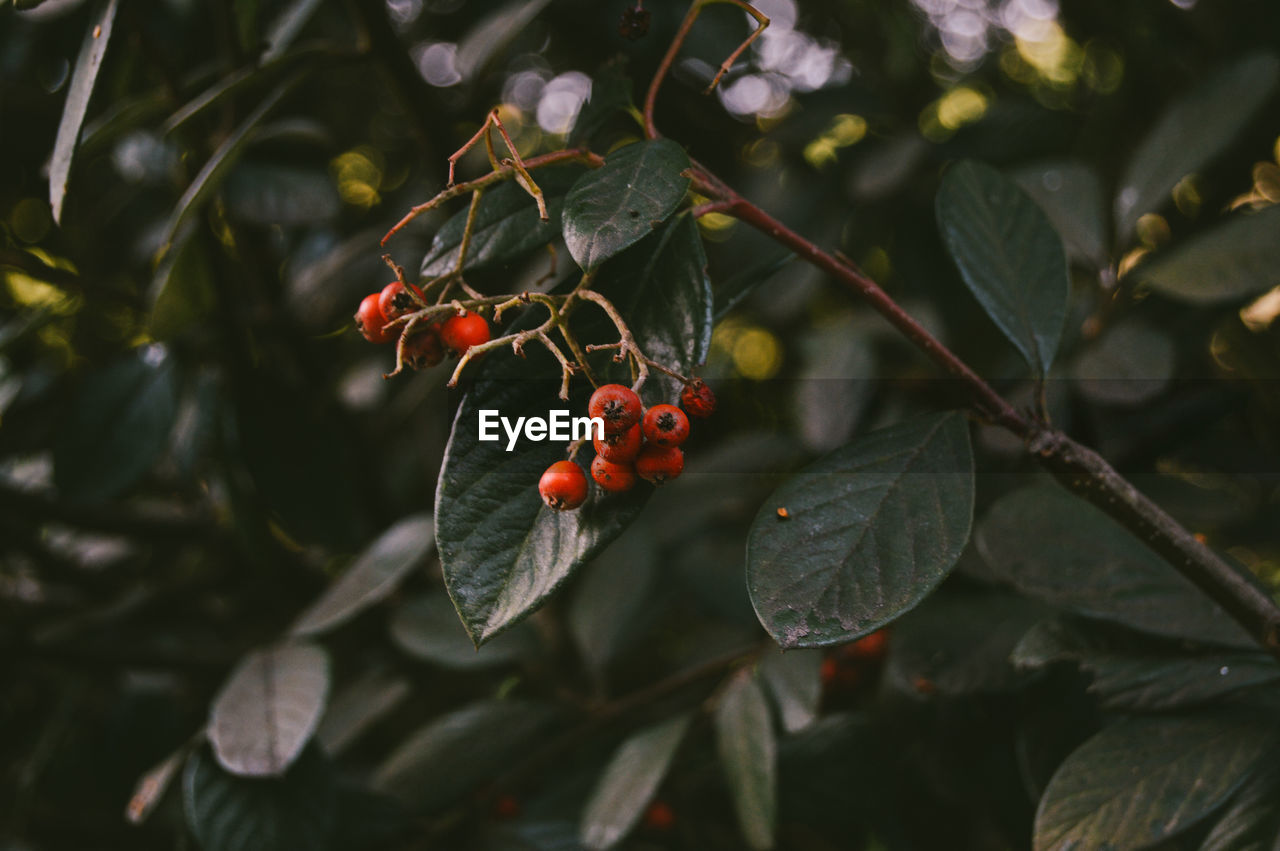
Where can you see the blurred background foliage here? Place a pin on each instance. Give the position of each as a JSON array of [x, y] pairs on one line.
[[193, 441]]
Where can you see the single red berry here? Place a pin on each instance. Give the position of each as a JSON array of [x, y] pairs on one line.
[[870, 647], [665, 425], [698, 399], [506, 807], [658, 464], [621, 447], [563, 486], [617, 405], [394, 301], [462, 332], [370, 321], [611, 476], [659, 816], [424, 349], [829, 670]]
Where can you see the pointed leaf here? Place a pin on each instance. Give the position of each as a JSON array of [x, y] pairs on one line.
[[1234, 260], [618, 204], [183, 288], [151, 787], [870, 530], [373, 575], [1009, 256], [1144, 780], [1193, 131], [629, 782], [427, 628], [92, 51], [748, 756], [794, 679], [268, 709]]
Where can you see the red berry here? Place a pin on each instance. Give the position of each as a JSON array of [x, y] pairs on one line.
[[698, 399], [423, 349], [870, 647], [394, 301], [506, 807], [462, 332], [613, 477], [659, 816], [563, 486], [370, 321], [617, 405], [665, 425], [658, 464], [829, 670], [621, 447]]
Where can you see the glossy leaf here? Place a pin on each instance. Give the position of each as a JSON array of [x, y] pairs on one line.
[[268, 708], [794, 681], [1131, 363], [870, 530], [117, 427], [92, 51], [1009, 256], [1141, 781], [1192, 132], [618, 204], [427, 628], [1232, 261], [1250, 821], [748, 757], [507, 226], [372, 577], [629, 783], [1031, 538], [229, 813]]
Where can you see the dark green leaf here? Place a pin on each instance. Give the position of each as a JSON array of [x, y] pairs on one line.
[[871, 529], [1144, 780], [92, 50], [285, 28], [359, 706], [229, 813], [629, 783], [1131, 363], [1192, 132], [183, 287], [1056, 547], [1251, 821], [268, 709], [794, 681], [280, 195], [1070, 193], [427, 628], [731, 291], [748, 756], [118, 425], [1234, 260], [610, 95], [615, 586], [618, 204], [836, 377], [1009, 256], [373, 575], [507, 227]]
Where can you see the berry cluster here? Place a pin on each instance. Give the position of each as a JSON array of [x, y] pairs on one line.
[[428, 345], [636, 442]]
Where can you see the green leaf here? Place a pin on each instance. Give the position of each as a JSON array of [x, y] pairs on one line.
[[1144, 780], [359, 706], [1234, 260], [372, 577], [1009, 256], [836, 378], [1193, 131], [629, 782], [610, 594], [183, 287], [427, 628], [871, 529], [610, 95], [1131, 363], [794, 679], [268, 709], [446, 759], [285, 28], [507, 227], [618, 204], [1251, 821], [229, 813], [1058, 548], [117, 427], [748, 756], [92, 51], [1070, 193]]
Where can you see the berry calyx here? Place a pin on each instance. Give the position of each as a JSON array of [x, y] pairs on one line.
[[617, 405], [395, 301], [665, 425], [697, 399], [620, 448], [462, 332], [370, 321], [611, 476], [659, 464], [563, 486], [424, 349]]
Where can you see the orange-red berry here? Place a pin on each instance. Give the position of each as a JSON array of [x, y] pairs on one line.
[[462, 332], [659, 816], [697, 399], [424, 349], [659, 464], [563, 486], [370, 321], [611, 476], [621, 447], [870, 647], [665, 425], [506, 807], [394, 301], [617, 405]]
